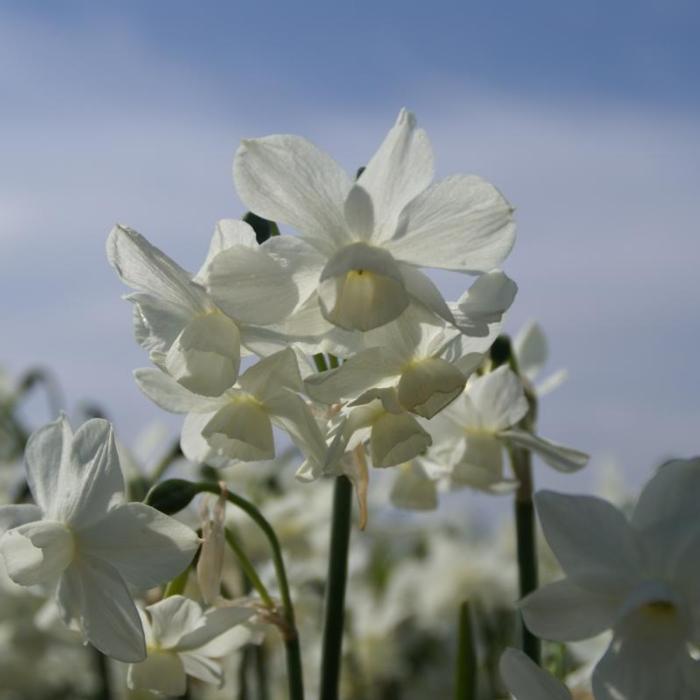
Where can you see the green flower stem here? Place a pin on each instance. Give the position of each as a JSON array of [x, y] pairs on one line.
[[335, 591], [466, 670], [290, 635], [526, 540], [248, 569]]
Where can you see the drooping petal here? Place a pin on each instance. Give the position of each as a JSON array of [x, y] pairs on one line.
[[500, 399], [214, 623], [47, 455], [527, 681], [37, 552], [241, 429], [145, 268], [480, 464], [156, 322], [204, 669], [165, 392], [401, 168], [424, 291], [359, 213], [592, 540], [145, 546], [287, 179], [93, 594], [251, 286], [289, 412], [161, 672], [672, 495], [397, 438], [484, 303], [196, 447], [561, 458], [427, 386], [227, 234], [91, 481], [271, 374], [173, 617], [462, 223], [375, 367], [530, 347], [563, 611], [362, 288], [206, 355], [302, 261]]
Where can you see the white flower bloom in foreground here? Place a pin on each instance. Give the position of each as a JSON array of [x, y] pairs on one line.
[[83, 544], [408, 355], [527, 681], [640, 578], [362, 242], [530, 348], [471, 434], [194, 336], [183, 640], [238, 424]]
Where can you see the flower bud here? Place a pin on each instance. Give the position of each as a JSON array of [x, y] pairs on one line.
[[171, 496]]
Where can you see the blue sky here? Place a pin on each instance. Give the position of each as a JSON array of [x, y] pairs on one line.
[[584, 114]]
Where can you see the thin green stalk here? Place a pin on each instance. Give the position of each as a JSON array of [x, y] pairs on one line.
[[466, 669], [290, 634], [248, 569], [335, 591], [526, 541]]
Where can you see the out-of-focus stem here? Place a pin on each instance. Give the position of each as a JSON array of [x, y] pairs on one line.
[[248, 568], [335, 591], [526, 540], [465, 670]]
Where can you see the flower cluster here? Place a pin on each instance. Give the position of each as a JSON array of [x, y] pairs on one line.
[[399, 363]]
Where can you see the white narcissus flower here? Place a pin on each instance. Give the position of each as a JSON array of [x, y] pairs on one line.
[[530, 349], [638, 577], [407, 354], [83, 544], [362, 243], [527, 681], [183, 640], [194, 337], [238, 424], [472, 432]]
